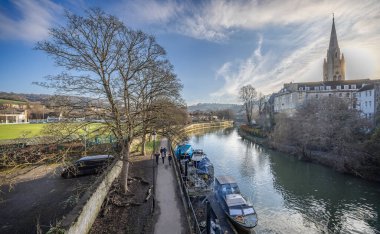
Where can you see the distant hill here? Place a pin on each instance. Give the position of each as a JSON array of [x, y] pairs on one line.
[[214, 107], [22, 97]]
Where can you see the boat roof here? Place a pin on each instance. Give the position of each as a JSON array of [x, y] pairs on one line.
[[226, 179], [185, 148], [235, 200], [197, 157], [198, 151], [95, 157]]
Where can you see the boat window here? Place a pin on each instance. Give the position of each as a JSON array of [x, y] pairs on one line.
[[235, 188], [234, 212], [248, 211]]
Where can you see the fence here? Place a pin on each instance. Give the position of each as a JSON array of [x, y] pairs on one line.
[[192, 218], [199, 126]]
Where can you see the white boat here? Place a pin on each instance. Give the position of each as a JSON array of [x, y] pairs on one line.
[[241, 213]]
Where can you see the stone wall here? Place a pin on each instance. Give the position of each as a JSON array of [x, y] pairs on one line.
[[81, 218]]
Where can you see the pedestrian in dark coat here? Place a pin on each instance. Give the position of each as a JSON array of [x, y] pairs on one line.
[[164, 150], [157, 155], [163, 158], [170, 159]]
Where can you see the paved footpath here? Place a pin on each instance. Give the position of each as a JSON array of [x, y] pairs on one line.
[[171, 217]]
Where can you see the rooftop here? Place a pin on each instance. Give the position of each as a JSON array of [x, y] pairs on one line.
[[225, 180], [235, 200]]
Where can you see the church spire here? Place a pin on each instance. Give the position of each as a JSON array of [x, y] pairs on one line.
[[333, 38], [334, 66]]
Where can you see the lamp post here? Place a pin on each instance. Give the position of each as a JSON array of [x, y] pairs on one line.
[[154, 151], [154, 140]]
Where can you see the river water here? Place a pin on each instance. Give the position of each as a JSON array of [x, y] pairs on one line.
[[291, 196]]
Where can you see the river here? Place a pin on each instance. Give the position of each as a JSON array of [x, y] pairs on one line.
[[291, 196]]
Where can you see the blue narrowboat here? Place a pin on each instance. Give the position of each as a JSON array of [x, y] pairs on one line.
[[184, 151]]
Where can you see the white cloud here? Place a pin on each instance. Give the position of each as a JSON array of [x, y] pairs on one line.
[[299, 54], [35, 19], [149, 12]]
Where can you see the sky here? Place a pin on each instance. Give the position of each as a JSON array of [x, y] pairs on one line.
[[216, 46]]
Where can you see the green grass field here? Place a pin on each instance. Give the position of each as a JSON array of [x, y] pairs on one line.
[[13, 131], [2, 101]]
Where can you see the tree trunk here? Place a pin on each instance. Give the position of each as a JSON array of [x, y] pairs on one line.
[[125, 168], [143, 141]]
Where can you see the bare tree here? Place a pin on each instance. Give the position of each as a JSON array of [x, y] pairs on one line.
[[118, 69], [248, 95], [157, 84], [325, 125], [226, 114]]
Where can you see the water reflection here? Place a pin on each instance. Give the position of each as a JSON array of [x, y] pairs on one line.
[[291, 196]]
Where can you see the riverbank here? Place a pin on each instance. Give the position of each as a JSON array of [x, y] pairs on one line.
[[328, 159]]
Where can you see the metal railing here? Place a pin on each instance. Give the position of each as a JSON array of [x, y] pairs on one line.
[[192, 218]]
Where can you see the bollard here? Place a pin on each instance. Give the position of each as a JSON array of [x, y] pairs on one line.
[[186, 170], [208, 220]]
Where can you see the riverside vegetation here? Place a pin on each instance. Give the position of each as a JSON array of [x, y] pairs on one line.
[[326, 131]]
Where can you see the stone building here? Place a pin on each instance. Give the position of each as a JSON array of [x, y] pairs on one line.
[[294, 95], [13, 116], [368, 100]]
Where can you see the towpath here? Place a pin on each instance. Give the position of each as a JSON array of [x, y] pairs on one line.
[[170, 214]]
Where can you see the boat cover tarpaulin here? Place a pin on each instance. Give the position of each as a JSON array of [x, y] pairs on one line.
[[183, 150], [204, 166]]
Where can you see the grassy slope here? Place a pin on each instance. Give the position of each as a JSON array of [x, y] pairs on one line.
[[2, 101], [12, 131]]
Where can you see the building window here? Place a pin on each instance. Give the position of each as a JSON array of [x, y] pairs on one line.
[[365, 103], [369, 103], [370, 93], [369, 115], [328, 87], [346, 87], [316, 88], [347, 94], [338, 87], [322, 88], [353, 86], [307, 88], [300, 88], [354, 94]]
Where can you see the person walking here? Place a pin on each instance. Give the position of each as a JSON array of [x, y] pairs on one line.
[[161, 151], [157, 157], [163, 158], [170, 159], [164, 150]]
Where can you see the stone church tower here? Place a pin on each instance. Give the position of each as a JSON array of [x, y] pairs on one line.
[[334, 66]]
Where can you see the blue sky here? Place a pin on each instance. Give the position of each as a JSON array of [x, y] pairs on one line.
[[216, 46]]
